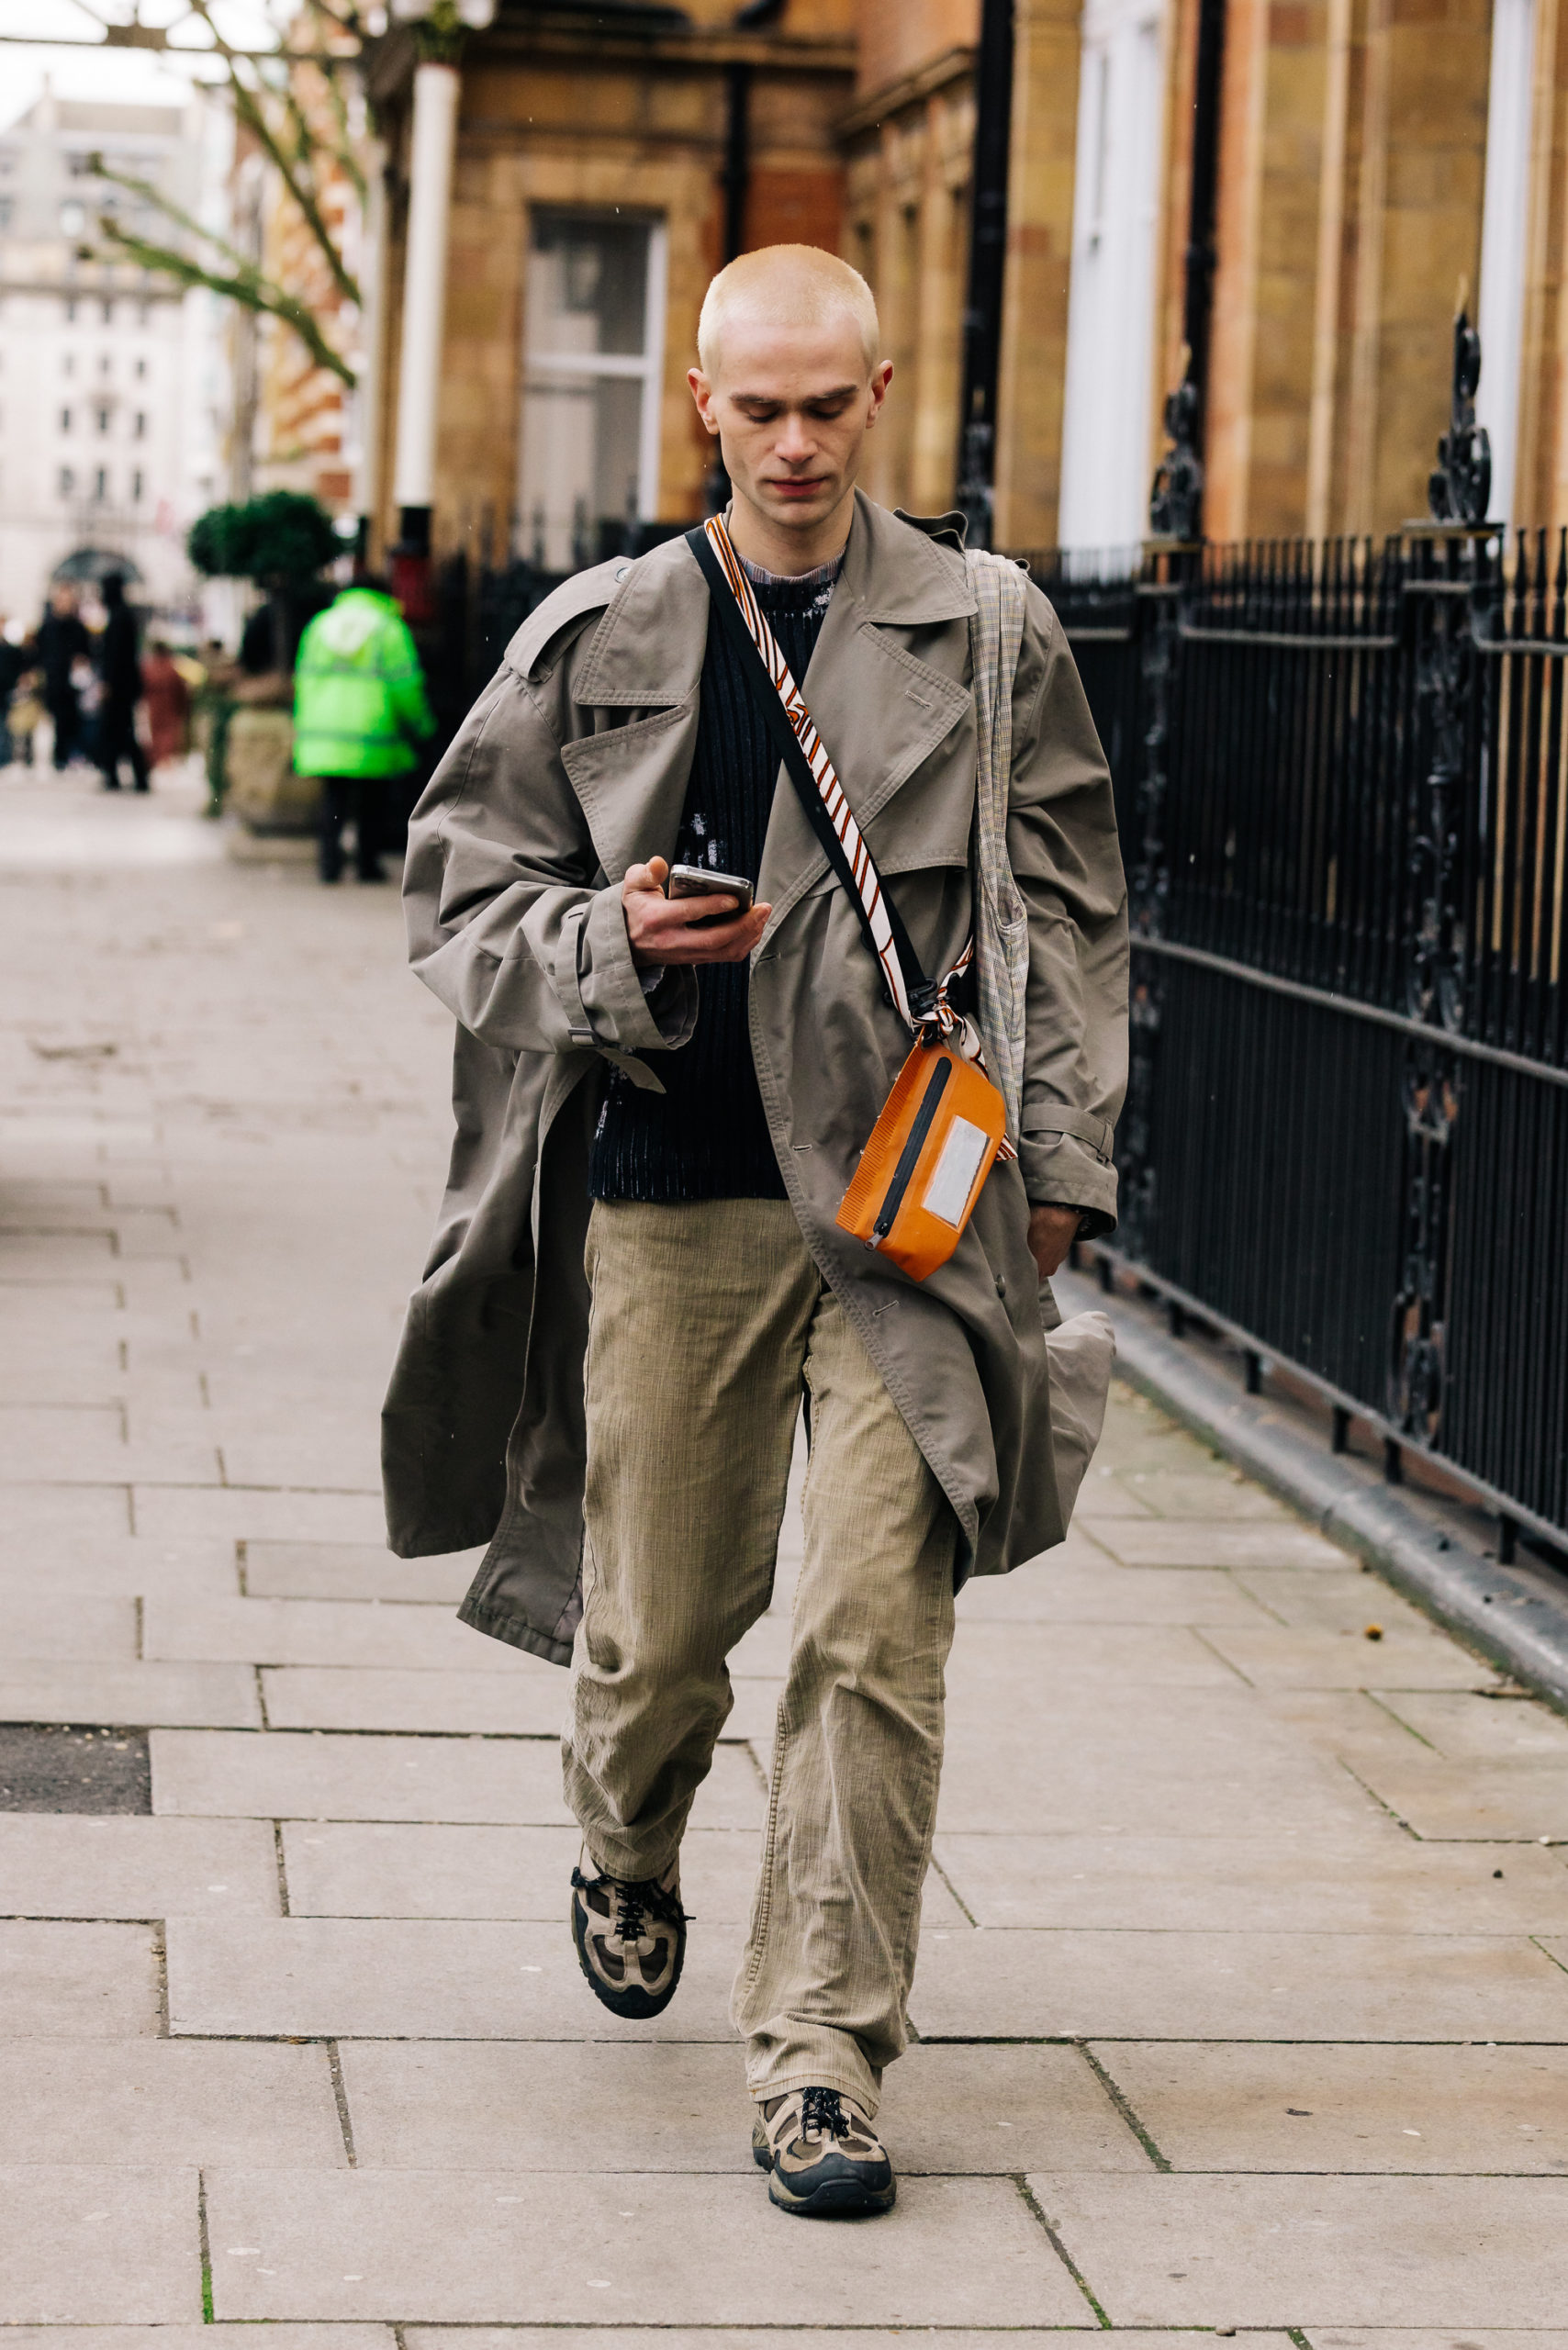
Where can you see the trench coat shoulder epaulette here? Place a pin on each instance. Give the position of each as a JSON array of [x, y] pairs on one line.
[[577, 599]]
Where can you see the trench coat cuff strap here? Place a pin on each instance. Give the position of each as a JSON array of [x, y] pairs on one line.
[[619, 1012], [568, 978], [1061, 1171]]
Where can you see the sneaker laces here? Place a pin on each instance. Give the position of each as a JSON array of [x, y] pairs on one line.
[[636, 1898], [822, 2114]]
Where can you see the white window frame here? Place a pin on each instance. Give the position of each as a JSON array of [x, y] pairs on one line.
[[646, 368]]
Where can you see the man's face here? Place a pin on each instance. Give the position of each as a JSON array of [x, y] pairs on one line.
[[64, 602], [791, 407]]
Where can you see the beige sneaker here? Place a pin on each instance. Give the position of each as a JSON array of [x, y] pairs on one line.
[[823, 2156], [631, 1938]]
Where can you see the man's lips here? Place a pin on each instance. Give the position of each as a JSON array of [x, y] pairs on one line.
[[793, 489]]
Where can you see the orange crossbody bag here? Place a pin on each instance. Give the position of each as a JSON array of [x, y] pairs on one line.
[[943, 1124]]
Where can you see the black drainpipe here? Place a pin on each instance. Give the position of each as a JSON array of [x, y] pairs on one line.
[[988, 267], [1176, 507], [736, 174]]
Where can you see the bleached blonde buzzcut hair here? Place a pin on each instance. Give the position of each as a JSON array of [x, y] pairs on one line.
[[791, 286]]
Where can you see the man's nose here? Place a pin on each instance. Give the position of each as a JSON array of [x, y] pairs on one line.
[[795, 442]]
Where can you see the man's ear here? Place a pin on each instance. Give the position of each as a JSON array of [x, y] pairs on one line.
[[881, 376], [703, 393]]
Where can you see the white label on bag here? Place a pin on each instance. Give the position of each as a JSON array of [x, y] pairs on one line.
[[953, 1177]]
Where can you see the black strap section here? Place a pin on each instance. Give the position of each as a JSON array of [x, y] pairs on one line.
[[921, 992]]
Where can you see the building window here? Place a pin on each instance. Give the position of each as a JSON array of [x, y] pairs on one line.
[[101, 485], [593, 360], [70, 314], [103, 420], [140, 369], [7, 207], [67, 482], [108, 313], [140, 428], [136, 486], [68, 364], [1106, 438], [73, 218], [65, 420]]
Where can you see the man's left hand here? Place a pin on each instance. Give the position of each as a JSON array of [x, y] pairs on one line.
[[1052, 1232]]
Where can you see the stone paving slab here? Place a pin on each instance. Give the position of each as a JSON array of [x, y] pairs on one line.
[[1475, 1801], [1326, 2109], [1220, 1493], [1326, 1602], [168, 2101], [1152, 1543], [352, 1978], [354, 1570], [242, 1513], [1377, 1882], [1159, 1760], [1000, 1660], [34, 1626], [77, 1981], [1279, 1657], [315, 1775], [366, 1635], [65, 1865], [199, 2337], [945, 2112], [1318, 2252], [140, 1697], [1471, 1728], [515, 1704], [1238, 1986], [1448, 2337], [473, 2247], [1102, 1592], [90, 2246], [59, 1519], [115, 1567], [386, 1869]]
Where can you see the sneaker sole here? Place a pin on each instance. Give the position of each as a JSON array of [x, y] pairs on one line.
[[636, 2006], [839, 2199]]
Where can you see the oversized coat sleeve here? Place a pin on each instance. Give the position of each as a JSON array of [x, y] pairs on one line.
[[511, 920], [1067, 862]]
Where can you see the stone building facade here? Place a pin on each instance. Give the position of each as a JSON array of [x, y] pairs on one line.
[[599, 155], [1375, 158]]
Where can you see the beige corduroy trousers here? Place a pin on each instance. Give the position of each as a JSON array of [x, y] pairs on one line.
[[709, 1320]]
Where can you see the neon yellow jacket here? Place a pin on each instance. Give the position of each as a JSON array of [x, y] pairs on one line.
[[359, 697]]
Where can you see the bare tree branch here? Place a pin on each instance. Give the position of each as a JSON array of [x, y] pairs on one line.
[[246, 287]]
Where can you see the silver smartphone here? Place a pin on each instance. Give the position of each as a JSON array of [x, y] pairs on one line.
[[698, 881]]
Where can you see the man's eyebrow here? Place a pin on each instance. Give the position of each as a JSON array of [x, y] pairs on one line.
[[811, 400]]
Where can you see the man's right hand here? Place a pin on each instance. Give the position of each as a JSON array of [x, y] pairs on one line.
[[680, 930]]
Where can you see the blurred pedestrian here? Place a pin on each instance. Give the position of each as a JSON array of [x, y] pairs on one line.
[[168, 698], [19, 711], [361, 717], [119, 667], [62, 642]]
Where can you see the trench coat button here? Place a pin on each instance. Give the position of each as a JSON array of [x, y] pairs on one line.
[[624, 572]]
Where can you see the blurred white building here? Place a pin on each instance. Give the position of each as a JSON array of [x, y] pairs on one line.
[[113, 383]]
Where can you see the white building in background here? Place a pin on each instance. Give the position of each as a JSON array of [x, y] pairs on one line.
[[113, 383]]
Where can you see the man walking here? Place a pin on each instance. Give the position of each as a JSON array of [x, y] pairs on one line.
[[62, 642], [639, 1275], [120, 669], [360, 719]]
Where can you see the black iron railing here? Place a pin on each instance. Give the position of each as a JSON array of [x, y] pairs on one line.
[[1339, 777]]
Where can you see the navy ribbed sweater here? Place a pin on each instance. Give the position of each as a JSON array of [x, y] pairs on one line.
[[706, 1138]]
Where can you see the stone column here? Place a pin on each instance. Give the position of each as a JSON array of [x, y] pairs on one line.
[[432, 143], [1031, 393]]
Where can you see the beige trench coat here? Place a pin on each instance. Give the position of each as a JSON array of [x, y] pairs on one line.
[[571, 767]]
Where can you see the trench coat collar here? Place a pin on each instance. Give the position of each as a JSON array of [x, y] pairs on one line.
[[647, 651]]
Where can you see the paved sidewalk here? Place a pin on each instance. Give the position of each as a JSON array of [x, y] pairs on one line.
[[1243, 2003]]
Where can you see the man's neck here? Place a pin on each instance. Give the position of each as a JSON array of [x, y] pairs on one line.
[[789, 553]]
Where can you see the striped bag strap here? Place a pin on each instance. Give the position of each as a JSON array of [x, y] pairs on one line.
[[922, 1003]]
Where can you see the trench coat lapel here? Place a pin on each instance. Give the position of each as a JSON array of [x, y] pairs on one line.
[[646, 656], [880, 709]]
